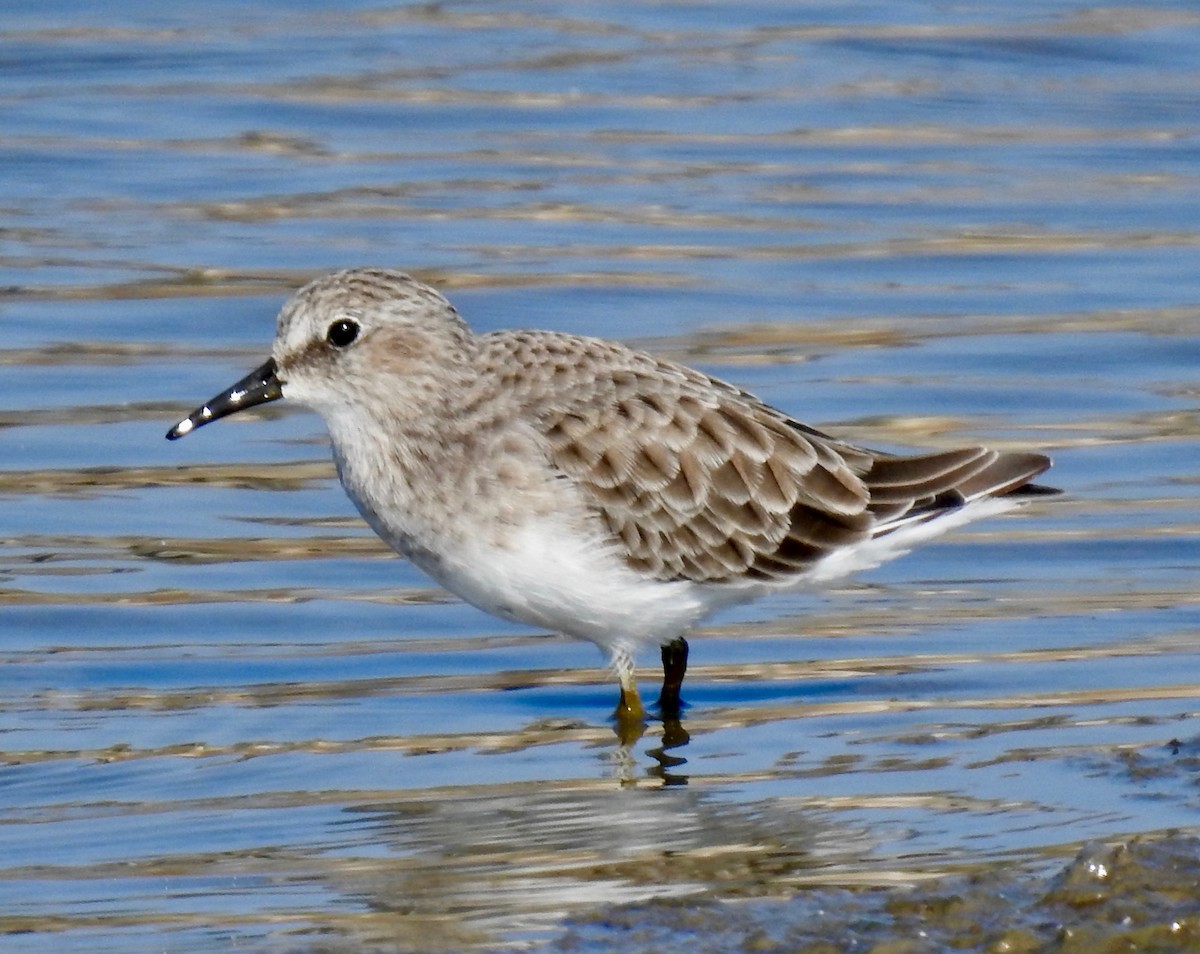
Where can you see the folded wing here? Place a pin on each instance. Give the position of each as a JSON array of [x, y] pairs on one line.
[[701, 481]]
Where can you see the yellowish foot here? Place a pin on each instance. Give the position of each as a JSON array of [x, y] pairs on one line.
[[630, 716], [630, 706]]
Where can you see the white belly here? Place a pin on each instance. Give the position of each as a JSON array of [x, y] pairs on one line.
[[574, 585]]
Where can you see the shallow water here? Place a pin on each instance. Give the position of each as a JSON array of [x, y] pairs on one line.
[[230, 718]]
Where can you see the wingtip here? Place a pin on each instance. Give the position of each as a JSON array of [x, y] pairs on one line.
[[1037, 464], [1035, 490]]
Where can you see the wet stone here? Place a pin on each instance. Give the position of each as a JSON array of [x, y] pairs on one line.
[[1140, 895]]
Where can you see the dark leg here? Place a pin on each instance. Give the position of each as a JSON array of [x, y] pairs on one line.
[[674, 659]]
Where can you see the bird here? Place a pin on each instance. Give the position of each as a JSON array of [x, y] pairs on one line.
[[580, 485]]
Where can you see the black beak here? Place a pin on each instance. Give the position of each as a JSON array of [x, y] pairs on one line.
[[260, 386]]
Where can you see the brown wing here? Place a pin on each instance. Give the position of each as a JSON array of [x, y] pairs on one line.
[[702, 481]]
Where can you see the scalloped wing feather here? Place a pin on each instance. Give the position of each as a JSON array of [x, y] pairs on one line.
[[699, 480]]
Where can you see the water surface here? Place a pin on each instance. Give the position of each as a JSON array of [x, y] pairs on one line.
[[231, 719]]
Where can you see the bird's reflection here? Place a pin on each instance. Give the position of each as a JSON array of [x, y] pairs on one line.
[[668, 763], [674, 736], [496, 857]]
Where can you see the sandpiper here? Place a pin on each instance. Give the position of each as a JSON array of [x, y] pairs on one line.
[[579, 485]]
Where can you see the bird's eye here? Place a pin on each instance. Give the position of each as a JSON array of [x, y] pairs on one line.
[[342, 333]]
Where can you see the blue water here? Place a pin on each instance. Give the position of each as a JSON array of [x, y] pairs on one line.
[[231, 719]]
